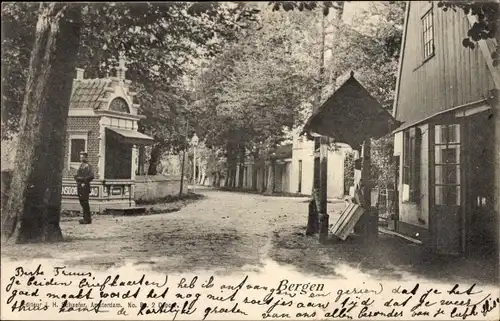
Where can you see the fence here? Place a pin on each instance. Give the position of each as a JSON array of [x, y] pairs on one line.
[[149, 188], [387, 205]]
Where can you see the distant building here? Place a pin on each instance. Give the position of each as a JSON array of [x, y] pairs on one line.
[[303, 168], [294, 168], [449, 145], [282, 161]]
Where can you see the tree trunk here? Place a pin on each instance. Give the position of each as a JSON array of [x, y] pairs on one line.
[[33, 210], [227, 182], [271, 182], [228, 177], [242, 167], [232, 163], [217, 179], [233, 176], [154, 160], [255, 170], [263, 178], [142, 161], [201, 177]]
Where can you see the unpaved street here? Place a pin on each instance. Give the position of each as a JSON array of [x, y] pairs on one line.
[[226, 232], [222, 231]]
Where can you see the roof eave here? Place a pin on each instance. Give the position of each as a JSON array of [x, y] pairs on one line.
[[343, 132]]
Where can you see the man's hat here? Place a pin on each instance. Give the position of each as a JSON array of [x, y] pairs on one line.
[[84, 154]]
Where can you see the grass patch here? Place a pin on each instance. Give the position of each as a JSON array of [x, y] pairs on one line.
[[170, 204], [166, 204], [170, 199]]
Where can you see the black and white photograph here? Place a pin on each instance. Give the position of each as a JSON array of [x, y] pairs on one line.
[[258, 160]]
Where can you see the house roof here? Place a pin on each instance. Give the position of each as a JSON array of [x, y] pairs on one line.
[[89, 93], [351, 115], [402, 56]]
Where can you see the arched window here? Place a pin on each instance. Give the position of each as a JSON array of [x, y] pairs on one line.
[[119, 104]]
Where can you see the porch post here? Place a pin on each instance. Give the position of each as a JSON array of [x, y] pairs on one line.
[[323, 185], [134, 162], [496, 163], [369, 225], [102, 149]]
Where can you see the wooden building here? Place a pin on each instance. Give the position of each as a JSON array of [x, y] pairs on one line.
[[103, 122], [448, 146]]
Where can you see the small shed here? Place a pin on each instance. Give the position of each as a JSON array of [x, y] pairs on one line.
[[103, 122], [351, 115]]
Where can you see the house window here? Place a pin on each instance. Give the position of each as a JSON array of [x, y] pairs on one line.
[[411, 165], [119, 104], [77, 144], [447, 164], [428, 34]]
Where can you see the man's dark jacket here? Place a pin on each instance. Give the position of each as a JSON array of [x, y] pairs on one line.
[[83, 177]]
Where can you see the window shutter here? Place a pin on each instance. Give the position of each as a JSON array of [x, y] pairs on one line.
[[416, 137]]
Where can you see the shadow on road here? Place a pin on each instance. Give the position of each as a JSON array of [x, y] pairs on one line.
[[388, 257]]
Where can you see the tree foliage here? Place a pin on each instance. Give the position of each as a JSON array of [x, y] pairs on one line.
[[253, 91], [160, 40], [373, 52], [306, 5]]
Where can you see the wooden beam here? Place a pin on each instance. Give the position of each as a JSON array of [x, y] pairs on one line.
[[323, 191], [365, 174], [323, 181]]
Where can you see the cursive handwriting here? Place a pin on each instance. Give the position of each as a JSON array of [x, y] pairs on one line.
[[356, 291], [23, 306], [80, 307], [20, 271], [217, 310], [302, 288], [61, 270], [110, 281], [62, 289]]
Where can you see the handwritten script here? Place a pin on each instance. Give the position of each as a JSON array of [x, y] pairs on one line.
[[61, 291]]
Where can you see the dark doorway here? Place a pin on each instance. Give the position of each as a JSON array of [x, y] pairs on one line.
[[118, 159], [481, 224]]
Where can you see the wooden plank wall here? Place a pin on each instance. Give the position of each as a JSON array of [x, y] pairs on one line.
[[454, 76]]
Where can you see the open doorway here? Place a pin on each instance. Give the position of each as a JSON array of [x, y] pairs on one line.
[[118, 159]]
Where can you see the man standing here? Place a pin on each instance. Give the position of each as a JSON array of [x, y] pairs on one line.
[[83, 178]]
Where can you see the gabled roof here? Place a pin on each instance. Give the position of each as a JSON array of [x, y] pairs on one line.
[[89, 93], [401, 58], [351, 115]]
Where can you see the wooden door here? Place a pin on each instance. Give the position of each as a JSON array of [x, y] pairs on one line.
[[445, 188], [479, 184]]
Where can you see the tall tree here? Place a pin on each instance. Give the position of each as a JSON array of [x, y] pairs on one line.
[[160, 40], [243, 106], [32, 213], [144, 31]]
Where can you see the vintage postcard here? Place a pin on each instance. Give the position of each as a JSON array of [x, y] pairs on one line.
[[281, 160]]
